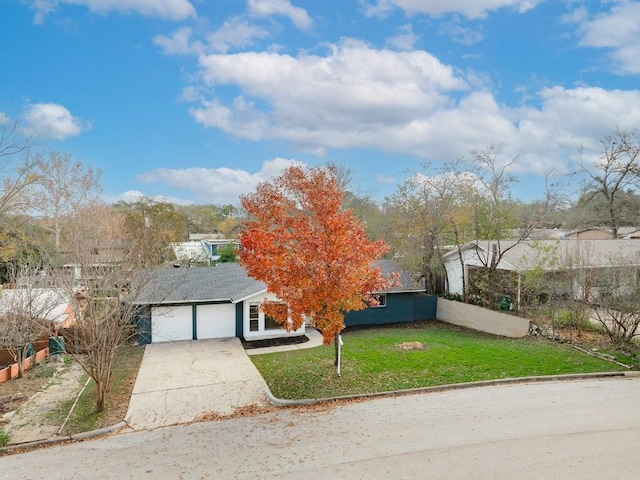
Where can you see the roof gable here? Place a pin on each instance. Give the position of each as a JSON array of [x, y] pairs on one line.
[[226, 282]]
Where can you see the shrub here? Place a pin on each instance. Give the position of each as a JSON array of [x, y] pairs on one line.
[[575, 318]]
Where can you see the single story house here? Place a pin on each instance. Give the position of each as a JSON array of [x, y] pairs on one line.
[[404, 302], [204, 302], [223, 301], [572, 261]]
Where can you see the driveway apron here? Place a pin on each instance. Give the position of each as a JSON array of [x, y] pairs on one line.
[[179, 382]]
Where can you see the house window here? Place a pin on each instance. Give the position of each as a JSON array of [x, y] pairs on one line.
[[382, 300], [270, 323], [254, 317]]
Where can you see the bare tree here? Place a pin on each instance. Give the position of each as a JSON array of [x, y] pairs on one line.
[[17, 167], [495, 219], [427, 213], [613, 297], [609, 177], [63, 187], [104, 294], [26, 314]]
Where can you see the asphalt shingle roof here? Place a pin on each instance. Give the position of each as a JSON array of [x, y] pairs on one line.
[[225, 282], [558, 254], [406, 282], [228, 282]]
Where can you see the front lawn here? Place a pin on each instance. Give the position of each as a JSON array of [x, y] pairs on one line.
[[84, 416], [385, 359]]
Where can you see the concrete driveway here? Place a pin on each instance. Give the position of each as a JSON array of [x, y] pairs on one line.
[[181, 381]]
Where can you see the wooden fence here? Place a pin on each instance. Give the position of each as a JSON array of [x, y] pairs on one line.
[[12, 370]]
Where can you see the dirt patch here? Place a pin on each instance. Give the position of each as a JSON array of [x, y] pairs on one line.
[[16, 392], [29, 421], [411, 346]]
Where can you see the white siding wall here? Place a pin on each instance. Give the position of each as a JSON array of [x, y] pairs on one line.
[[262, 333], [171, 323], [216, 321]]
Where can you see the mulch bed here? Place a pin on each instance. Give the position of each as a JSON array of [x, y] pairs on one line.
[[274, 342]]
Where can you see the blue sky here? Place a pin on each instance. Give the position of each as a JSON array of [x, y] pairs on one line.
[[199, 100]]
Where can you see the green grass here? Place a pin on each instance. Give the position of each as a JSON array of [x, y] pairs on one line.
[[373, 362], [4, 438], [85, 417]]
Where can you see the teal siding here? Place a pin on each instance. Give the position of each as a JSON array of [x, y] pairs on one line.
[[424, 306], [194, 322], [239, 319], [401, 307], [142, 321]]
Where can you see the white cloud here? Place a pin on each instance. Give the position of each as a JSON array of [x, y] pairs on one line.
[[568, 118], [268, 8], [236, 32], [217, 185], [166, 9], [617, 31], [402, 102], [404, 40], [51, 120], [468, 8], [339, 100], [459, 33], [384, 179], [135, 195], [178, 43]]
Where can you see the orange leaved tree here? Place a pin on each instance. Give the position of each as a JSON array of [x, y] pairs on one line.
[[311, 253]]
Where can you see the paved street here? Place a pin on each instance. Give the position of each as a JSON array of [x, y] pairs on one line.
[[582, 430]]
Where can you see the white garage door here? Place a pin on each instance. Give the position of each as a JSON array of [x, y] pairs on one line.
[[216, 321], [171, 323]]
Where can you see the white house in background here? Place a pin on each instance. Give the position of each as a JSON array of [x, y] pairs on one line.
[[551, 256], [205, 302], [201, 249]]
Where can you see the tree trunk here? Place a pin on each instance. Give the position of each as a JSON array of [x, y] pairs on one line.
[[21, 357], [100, 396], [336, 350]]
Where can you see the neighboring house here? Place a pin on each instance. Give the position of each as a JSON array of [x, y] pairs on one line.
[[405, 302], [54, 304], [205, 302], [545, 234], [51, 305], [201, 251], [593, 233], [101, 260], [603, 233], [629, 233], [572, 260]]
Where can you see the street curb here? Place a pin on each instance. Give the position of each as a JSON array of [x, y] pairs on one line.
[[284, 402], [73, 438], [456, 386]]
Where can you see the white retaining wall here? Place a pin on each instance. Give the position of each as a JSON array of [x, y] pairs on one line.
[[478, 318]]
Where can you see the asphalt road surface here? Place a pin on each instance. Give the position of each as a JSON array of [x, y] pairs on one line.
[[565, 430]]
